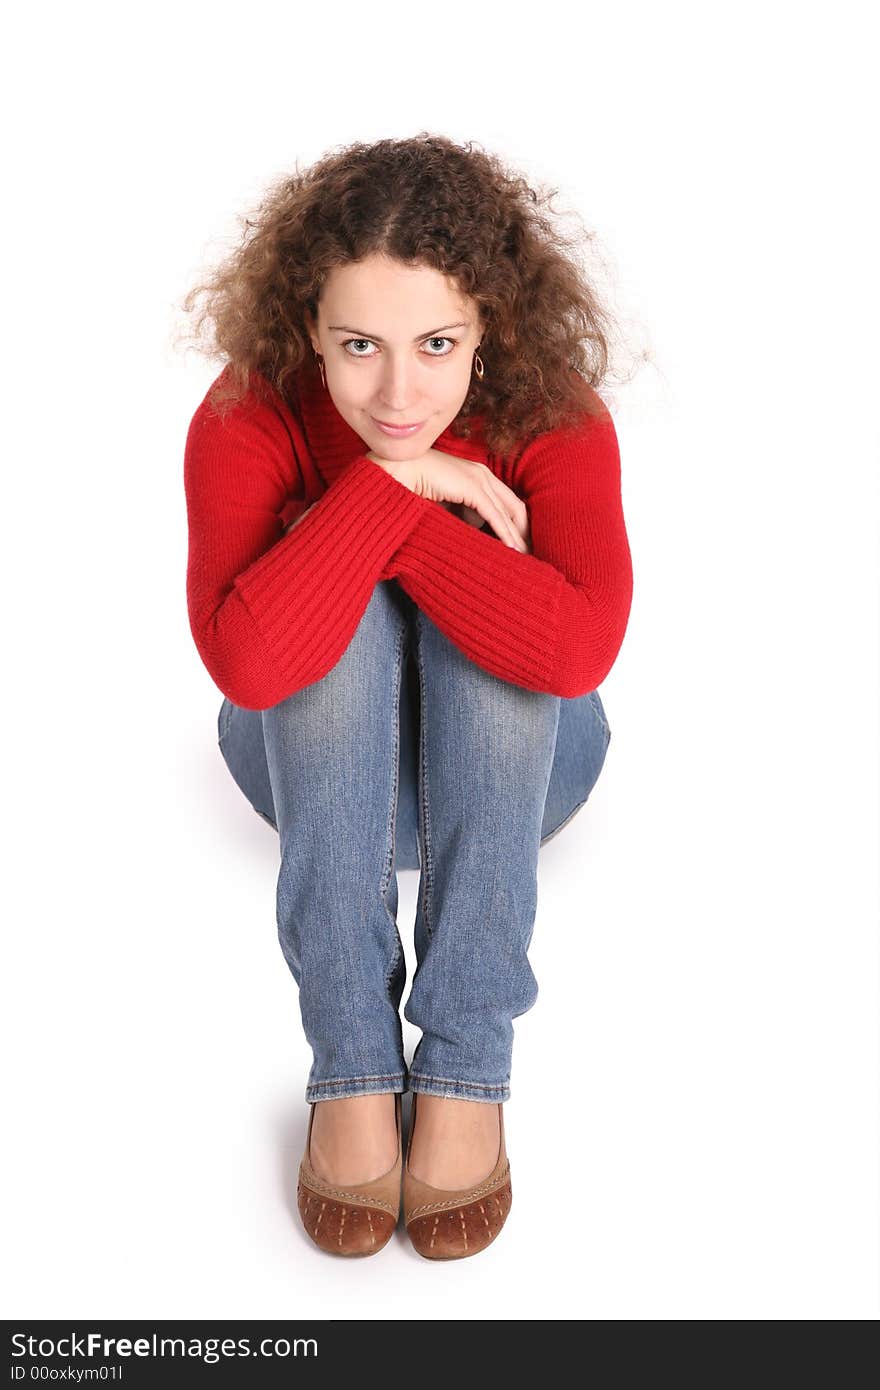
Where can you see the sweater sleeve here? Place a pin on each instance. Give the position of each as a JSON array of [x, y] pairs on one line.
[[553, 620], [272, 612]]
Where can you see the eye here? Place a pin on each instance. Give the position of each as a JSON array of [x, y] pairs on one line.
[[357, 340], [453, 343]]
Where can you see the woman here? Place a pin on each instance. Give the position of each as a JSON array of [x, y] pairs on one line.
[[408, 572]]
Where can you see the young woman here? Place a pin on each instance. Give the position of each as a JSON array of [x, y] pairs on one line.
[[408, 573]]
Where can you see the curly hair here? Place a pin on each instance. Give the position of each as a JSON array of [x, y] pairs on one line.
[[422, 201]]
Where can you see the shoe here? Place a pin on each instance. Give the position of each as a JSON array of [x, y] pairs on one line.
[[452, 1225], [357, 1220]]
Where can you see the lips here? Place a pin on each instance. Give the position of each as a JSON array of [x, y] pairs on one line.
[[401, 431]]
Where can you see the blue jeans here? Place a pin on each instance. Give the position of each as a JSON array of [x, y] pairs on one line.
[[409, 755]]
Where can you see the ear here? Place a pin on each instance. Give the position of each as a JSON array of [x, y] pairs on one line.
[[311, 329]]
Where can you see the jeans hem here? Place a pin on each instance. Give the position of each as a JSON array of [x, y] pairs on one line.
[[463, 1090], [341, 1087]]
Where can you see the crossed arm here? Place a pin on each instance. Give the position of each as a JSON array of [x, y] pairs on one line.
[[465, 513]]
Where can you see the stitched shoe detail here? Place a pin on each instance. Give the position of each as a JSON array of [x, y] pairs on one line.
[[452, 1233], [444, 1225], [341, 1228], [357, 1220]]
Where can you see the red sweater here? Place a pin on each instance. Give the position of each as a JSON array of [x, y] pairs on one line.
[[272, 612]]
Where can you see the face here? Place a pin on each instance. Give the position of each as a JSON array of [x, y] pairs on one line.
[[398, 345]]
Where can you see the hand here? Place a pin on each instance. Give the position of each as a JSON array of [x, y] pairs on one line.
[[465, 514], [445, 478]]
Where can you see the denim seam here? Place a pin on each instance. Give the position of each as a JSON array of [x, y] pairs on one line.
[[427, 867], [456, 1081], [392, 967], [356, 1080], [595, 708]]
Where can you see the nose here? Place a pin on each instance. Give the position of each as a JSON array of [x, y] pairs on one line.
[[397, 390]]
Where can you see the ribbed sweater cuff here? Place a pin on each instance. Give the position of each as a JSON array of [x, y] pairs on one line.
[[350, 532], [499, 606]]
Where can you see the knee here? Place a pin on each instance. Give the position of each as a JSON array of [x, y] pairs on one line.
[[360, 676], [514, 732]]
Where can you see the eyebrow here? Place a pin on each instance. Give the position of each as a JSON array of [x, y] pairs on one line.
[[432, 333]]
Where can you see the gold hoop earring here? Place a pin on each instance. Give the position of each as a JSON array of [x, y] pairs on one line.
[[478, 366], [321, 366]]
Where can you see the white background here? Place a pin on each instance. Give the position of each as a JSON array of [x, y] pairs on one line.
[[693, 1127]]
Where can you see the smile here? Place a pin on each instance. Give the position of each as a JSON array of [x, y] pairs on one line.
[[399, 431]]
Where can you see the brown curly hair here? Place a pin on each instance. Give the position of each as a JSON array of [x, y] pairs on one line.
[[421, 201]]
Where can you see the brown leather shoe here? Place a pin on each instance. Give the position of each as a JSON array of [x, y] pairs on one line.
[[446, 1225], [357, 1220]]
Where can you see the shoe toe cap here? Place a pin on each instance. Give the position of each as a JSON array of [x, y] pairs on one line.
[[343, 1228], [457, 1232]]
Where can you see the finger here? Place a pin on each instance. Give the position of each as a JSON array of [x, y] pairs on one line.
[[515, 509], [482, 506], [512, 504], [520, 524], [489, 507]]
